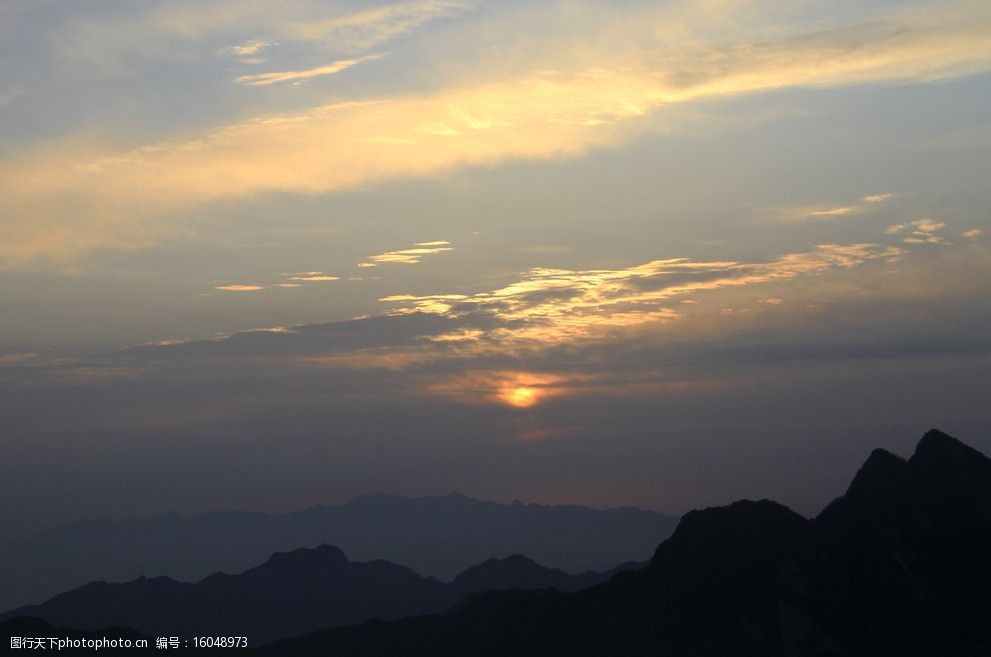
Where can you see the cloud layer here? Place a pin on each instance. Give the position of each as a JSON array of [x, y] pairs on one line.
[[80, 193]]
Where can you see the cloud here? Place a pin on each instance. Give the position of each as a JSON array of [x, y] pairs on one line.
[[973, 233], [292, 281], [545, 310], [518, 389], [797, 214], [313, 276], [264, 79], [246, 49], [922, 231], [18, 358], [410, 256], [548, 306], [557, 334], [83, 193], [835, 212], [371, 27], [123, 43]]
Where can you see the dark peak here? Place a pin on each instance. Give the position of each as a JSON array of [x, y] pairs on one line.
[[881, 470], [743, 540], [514, 563], [741, 511], [512, 559], [741, 523], [215, 578], [320, 555], [942, 473], [880, 482], [883, 458], [937, 447], [513, 572], [517, 559]]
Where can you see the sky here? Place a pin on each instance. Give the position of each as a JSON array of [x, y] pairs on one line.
[[261, 255]]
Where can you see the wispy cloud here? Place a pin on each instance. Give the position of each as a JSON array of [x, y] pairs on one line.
[[411, 256], [264, 79], [518, 389], [313, 276], [923, 231], [247, 48], [291, 280], [835, 212], [973, 233], [559, 333], [122, 43], [551, 305], [801, 213], [371, 27], [18, 358], [118, 197]]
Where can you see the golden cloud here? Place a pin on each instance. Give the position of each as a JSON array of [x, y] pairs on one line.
[[922, 231], [274, 77], [554, 305], [411, 256], [78, 194]]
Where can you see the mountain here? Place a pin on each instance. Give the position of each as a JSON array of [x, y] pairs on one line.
[[292, 593], [903, 560], [436, 536], [520, 572], [900, 565]]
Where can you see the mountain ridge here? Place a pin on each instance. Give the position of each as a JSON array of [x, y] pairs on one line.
[[438, 536], [904, 573], [897, 566], [290, 593]]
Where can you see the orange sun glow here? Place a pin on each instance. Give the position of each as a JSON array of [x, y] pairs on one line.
[[520, 397]]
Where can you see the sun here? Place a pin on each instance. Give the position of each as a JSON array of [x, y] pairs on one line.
[[526, 389], [520, 397]]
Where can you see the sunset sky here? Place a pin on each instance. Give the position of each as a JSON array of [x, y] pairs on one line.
[[265, 254]]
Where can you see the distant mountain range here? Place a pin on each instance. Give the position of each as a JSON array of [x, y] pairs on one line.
[[899, 566], [290, 594], [436, 536]]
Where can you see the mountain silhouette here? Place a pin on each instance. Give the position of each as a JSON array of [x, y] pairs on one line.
[[520, 572], [900, 565], [437, 536], [292, 593]]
